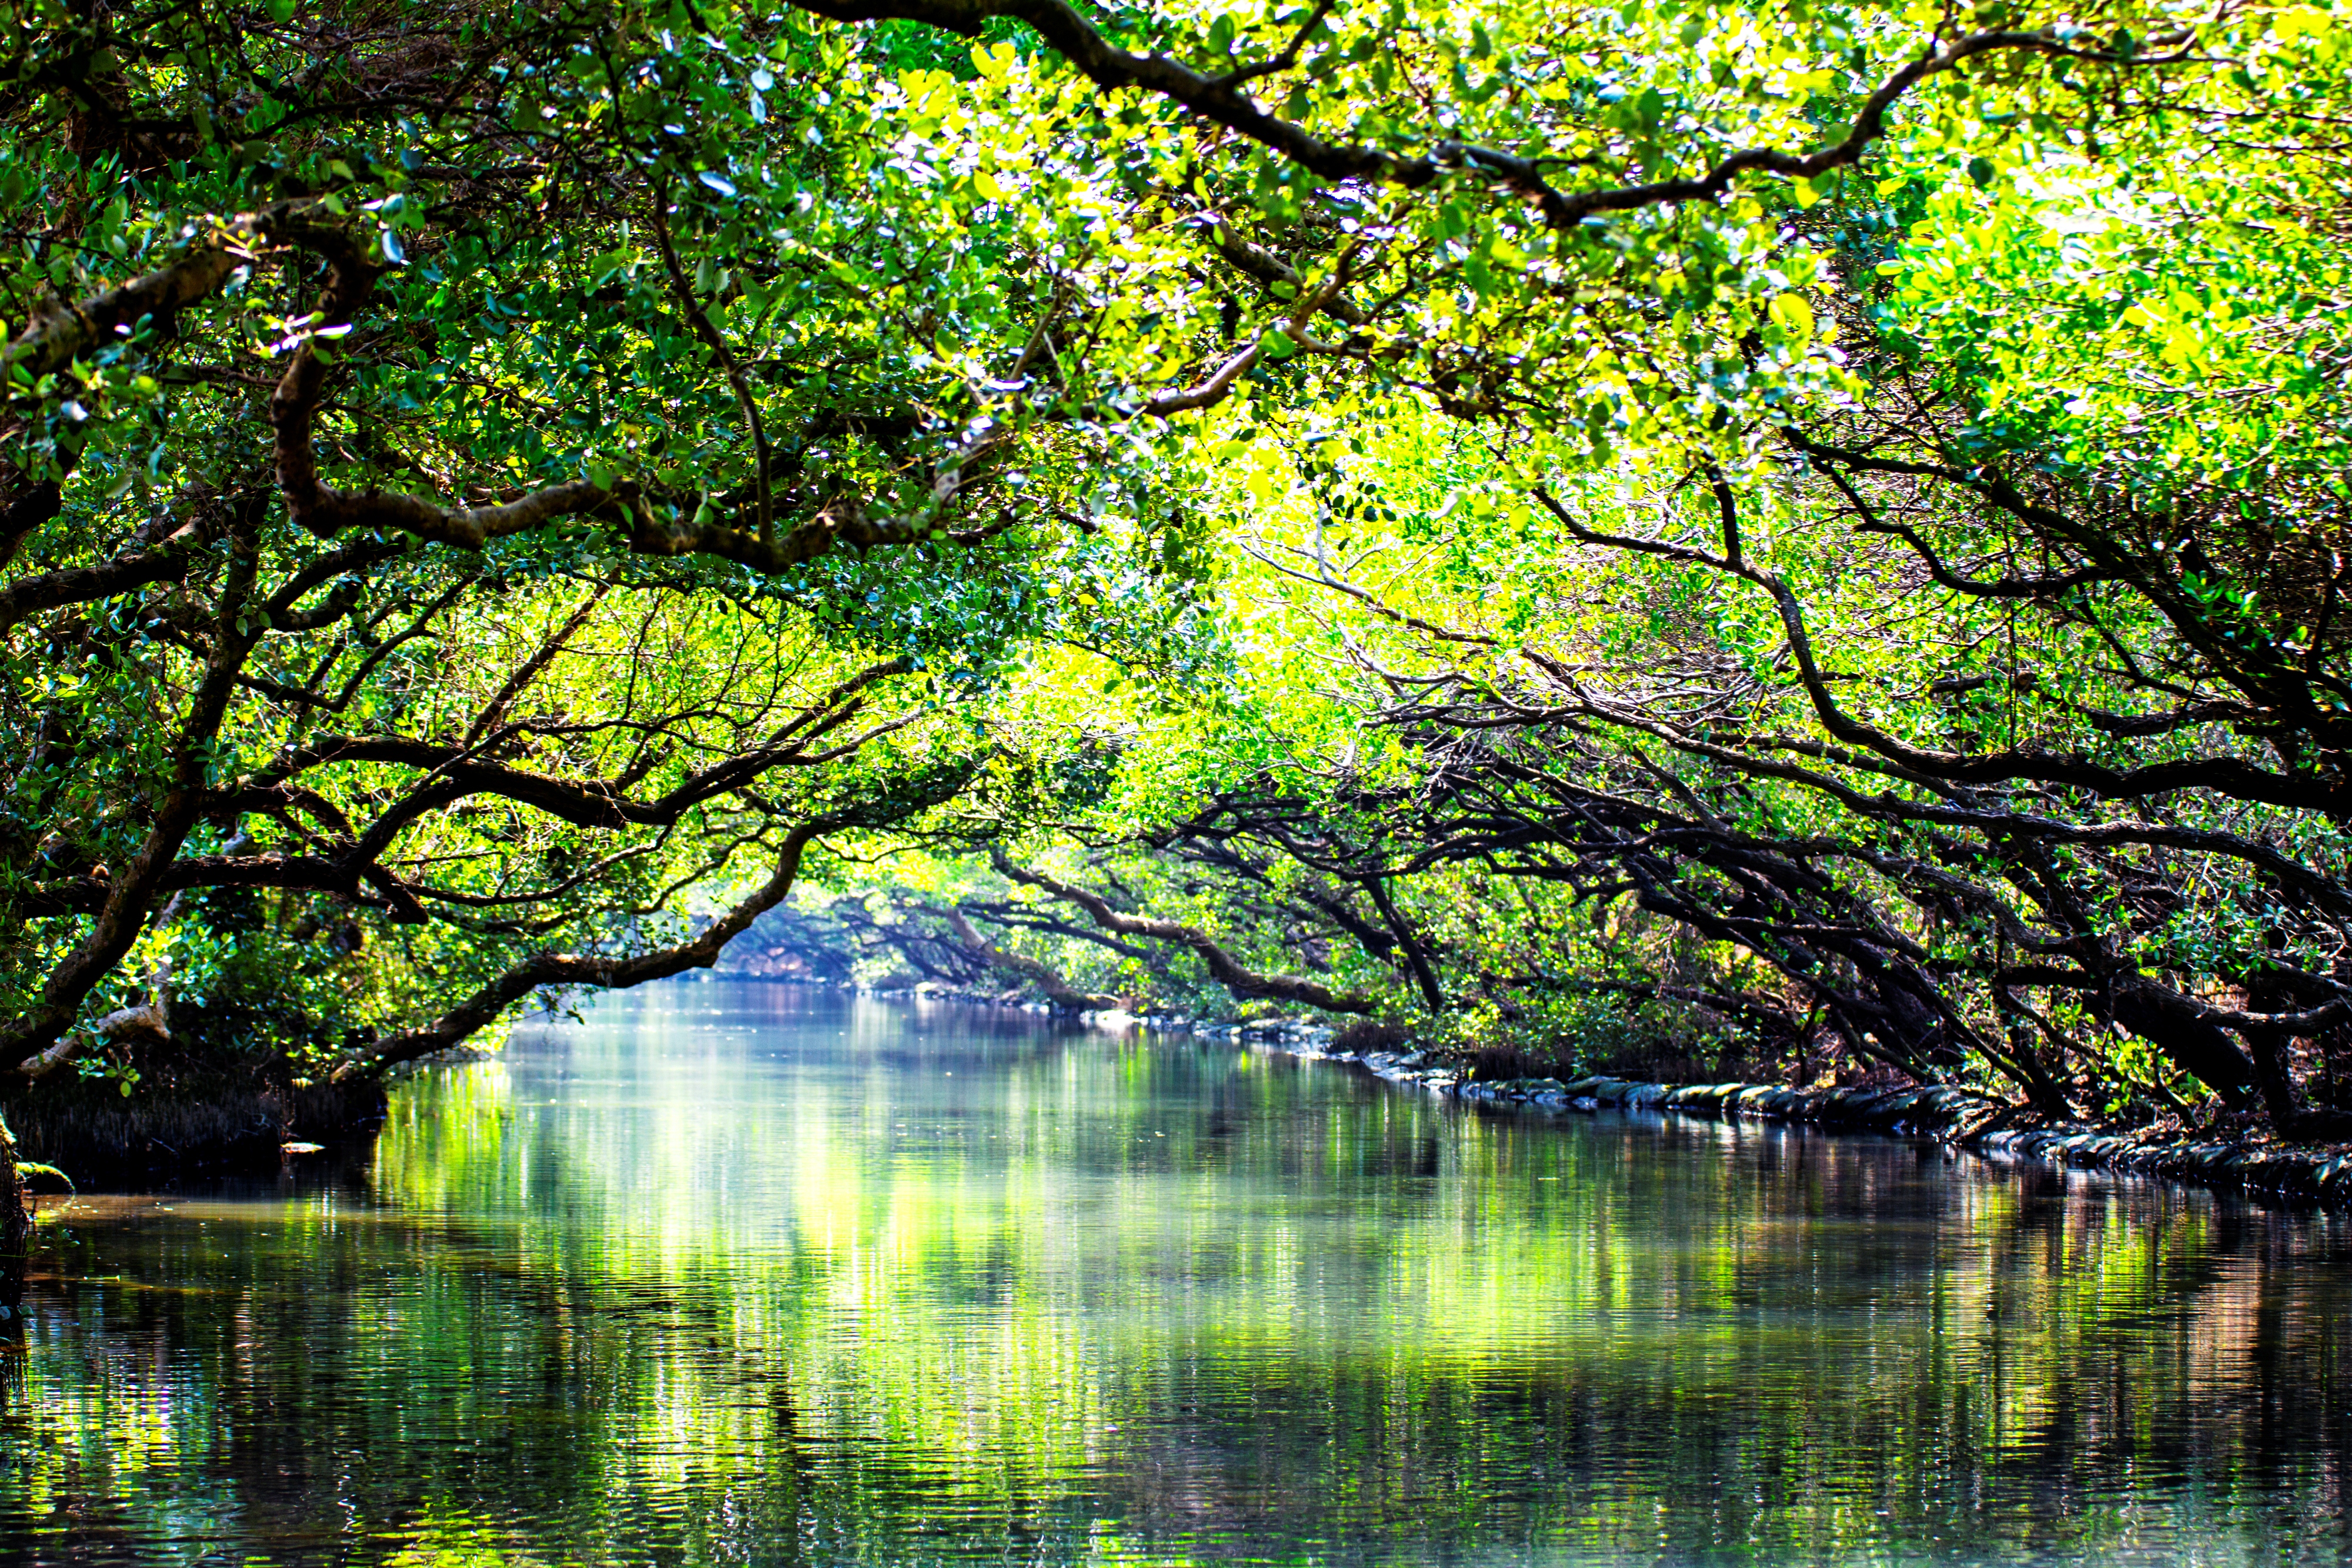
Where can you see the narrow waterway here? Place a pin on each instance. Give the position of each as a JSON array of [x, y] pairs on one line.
[[742, 1273]]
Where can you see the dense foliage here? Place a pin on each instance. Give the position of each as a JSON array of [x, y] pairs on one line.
[[1803, 533]]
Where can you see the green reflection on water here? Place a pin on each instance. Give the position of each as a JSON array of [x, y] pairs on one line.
[[740, 1273]]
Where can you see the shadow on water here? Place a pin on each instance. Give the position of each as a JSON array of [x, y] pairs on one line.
[[750, 1275]]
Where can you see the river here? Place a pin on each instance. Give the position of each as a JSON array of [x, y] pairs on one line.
[[744, 1273]]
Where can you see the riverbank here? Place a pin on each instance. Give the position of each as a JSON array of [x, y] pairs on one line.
[[98, 1139]]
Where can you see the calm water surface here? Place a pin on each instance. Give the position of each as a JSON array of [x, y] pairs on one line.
[[742, 1273]]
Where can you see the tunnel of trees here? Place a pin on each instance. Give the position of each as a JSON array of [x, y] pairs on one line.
[[1809, 536]]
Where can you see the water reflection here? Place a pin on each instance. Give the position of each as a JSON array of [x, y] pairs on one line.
[[738, 1274]]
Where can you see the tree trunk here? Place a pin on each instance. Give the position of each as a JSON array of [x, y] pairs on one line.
[[1063, 995], [16, 1232], [2171, 1023]]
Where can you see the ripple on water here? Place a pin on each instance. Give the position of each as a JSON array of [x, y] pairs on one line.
[[744, 1273]]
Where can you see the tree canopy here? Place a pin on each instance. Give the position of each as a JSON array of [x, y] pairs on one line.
[[1808, 533]]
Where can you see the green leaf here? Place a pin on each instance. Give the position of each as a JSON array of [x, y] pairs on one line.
[[1793, 313]]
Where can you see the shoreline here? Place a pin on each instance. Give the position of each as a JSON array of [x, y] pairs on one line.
[[2300, 1177], [2291, 1175], [2284, 1175]]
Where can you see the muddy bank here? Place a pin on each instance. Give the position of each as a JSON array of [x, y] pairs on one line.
[[239, 1123]]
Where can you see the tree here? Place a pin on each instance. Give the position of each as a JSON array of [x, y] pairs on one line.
[[2078, 449], [429, 479], [489, 490]]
